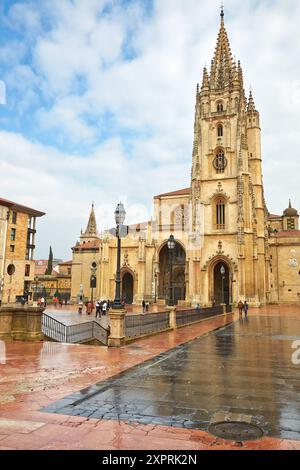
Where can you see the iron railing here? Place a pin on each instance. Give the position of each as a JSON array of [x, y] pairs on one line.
[[80, 333], [192, 316], [139, 325]]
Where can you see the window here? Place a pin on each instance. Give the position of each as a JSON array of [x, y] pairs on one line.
[[291, 224], [220, 161], [14, 218], [220, 214], [12, 248], [220, 130], [220, 107], [69, 271], [27, 270], [11, 270], [13, 234]]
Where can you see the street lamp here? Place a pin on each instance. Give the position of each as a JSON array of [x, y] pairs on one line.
[[231, 282], [155, 286], [120, 215], [93, 279], [222, 271], [171, 246]]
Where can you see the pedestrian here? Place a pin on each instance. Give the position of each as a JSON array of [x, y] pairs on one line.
[[240, 306], [104, 307], [98, 309], [80, 307], [198, 307], [147, 307], [246, 308], [89, 308], [43, 302], [144, 306]]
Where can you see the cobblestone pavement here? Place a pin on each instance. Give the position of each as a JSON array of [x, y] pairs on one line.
[[229, 363]]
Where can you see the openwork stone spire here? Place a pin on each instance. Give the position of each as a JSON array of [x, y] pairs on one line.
[[91, 229], [222, 65]]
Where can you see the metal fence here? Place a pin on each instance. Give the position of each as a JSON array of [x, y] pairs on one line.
[[192, 316], [81, 333], [139, 325]]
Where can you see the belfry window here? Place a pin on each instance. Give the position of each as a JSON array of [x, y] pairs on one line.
[[220, 107], [220, 215], [291, 224], [220, 130]]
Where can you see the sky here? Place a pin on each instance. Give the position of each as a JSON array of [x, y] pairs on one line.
[[99, 102]]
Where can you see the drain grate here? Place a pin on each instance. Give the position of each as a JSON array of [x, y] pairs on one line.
[[236, 431]]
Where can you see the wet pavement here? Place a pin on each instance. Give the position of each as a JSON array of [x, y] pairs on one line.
[[242, 372], [70, 317], [33, 376]]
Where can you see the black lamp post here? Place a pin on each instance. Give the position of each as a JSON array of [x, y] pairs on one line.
[[171, 246], [231, 290], [222, 271], [155, 287], [120, 215]]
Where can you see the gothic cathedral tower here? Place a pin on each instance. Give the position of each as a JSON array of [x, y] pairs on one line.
[[227, 193]]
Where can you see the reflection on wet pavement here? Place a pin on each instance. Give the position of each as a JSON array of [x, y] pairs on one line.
[[243, 369]]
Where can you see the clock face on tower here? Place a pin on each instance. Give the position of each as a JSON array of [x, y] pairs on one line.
[[220, 162]]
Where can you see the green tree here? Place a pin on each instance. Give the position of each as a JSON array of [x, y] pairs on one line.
[[50, 263]]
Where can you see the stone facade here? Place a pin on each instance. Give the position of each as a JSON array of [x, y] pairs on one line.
[[221, 220], [17, 244]]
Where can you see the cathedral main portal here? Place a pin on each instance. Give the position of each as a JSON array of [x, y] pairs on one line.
[[221, 284], [179, 264]]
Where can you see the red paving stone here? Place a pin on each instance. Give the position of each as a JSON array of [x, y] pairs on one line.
[[35, 375]]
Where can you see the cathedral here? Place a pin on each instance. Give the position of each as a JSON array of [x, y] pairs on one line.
[[228, 246]]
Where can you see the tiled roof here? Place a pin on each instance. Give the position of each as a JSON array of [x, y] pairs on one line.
[[19, 208], [274, 216], [87, 245], [288, 233], [66, 263], [180, 192]]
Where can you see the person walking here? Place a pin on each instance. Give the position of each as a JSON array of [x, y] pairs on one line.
[[241, 307], [80, 307], [144, 306], [104, 307], [89, 308], [98, 309], [246, 308], [147, 307]]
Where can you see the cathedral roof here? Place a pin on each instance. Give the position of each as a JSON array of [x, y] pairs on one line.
[[85, 246], [180, 192], [288, 233]]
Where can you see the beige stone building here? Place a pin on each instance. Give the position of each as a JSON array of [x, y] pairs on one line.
[[58, 283], [221, 220], [17, 245]]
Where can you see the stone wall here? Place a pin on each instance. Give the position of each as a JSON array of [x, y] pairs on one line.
[[21, 323]]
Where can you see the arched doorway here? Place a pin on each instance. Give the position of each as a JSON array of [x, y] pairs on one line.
[[127, 288], [221, 284], [179, 262]]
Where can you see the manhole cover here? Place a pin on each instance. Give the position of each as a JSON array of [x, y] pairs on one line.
[[236, 431]]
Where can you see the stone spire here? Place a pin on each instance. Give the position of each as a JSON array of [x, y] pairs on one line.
[[205, 80], [91, 230], [251, 104], [222, 66]]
